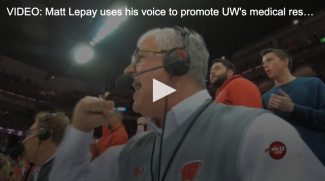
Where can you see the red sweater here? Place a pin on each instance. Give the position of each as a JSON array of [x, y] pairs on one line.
[[239, 91], [110, 138]]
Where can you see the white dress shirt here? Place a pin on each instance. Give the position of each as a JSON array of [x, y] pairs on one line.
[[180, 113], [72, 160]]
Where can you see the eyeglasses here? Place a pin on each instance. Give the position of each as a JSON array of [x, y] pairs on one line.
[[29, 131], [145, 53]]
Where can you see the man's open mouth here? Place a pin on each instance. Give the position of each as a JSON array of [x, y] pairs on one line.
[[137, 85]]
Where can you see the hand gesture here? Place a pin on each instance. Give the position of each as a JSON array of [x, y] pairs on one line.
[[280, 103], [142, 120], [91, 112]]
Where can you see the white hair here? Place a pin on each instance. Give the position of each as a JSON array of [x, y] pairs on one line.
[[168, 38]]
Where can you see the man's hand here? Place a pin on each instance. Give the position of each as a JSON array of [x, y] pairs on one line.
[[104, 96], [280, 103], [142, 120], [91, 112]]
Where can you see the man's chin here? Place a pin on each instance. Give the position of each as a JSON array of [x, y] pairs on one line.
[[136, 107], [271, 77]]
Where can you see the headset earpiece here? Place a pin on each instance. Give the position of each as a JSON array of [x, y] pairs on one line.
[[176, 62], [44, 132]]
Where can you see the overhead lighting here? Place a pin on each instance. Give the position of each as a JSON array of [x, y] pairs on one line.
[[223, 57], [295, 22], [111, 24], [52, 77], [83, 54]]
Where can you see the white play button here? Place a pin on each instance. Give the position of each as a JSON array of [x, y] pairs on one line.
[[160, 90]]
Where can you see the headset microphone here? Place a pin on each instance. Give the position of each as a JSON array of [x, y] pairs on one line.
[[18, 150], [124, 82], [24, 141]]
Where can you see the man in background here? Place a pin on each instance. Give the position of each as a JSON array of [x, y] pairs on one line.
[[43, 138], [233, 89], [298, 100], [114, 134]]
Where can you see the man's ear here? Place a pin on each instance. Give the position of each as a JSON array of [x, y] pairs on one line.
[[230, 73], [286, 62]]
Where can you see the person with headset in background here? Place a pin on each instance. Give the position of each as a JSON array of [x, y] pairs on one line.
[[42, 140], [195, 140], [233, 89], [4, 168]]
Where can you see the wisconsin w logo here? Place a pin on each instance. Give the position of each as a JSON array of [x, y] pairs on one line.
[[138, 172]]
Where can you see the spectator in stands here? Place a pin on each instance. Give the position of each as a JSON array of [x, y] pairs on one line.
[[233, 89], [114, 134], [298, 100], [142, 122], [42, 140], [4, 168]]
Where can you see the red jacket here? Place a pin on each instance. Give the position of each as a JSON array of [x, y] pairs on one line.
[[110, 138], [239, 91]]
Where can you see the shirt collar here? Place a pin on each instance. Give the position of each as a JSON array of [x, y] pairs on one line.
[[120, 127], [179, 113], [40, 166]]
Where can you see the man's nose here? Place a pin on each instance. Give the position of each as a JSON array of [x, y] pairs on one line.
[[130, 70], [264, 65]]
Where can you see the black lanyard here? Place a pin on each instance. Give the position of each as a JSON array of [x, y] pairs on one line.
[[178, 146]]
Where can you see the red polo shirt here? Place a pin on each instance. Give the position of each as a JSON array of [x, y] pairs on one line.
[[239, 91], [110, 138]]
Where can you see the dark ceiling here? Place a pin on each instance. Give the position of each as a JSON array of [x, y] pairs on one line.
[[47, 42]]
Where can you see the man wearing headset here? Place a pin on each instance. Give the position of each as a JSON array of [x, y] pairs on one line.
[[43, 138], [201, 140]]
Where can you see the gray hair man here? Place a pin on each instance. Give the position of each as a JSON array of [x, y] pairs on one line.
[[201, 141]]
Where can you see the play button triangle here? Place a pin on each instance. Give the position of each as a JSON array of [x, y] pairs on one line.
[[160, 90]]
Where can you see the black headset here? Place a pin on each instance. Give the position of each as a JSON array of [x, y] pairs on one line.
[[44, 132], [177, 60]]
